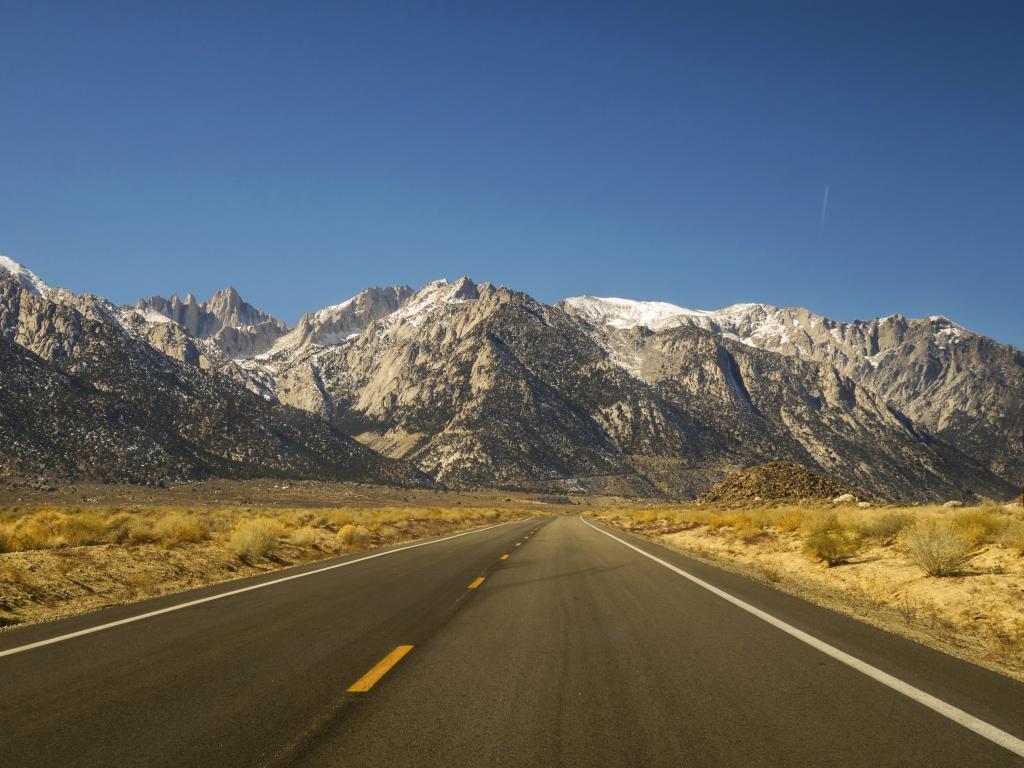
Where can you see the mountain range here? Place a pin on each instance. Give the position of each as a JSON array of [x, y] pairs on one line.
[[465, 384]]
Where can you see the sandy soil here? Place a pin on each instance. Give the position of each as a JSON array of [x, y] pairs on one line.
[[45, 584], [275, 493]]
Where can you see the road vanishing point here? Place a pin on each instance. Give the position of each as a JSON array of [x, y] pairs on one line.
[[543, 642]]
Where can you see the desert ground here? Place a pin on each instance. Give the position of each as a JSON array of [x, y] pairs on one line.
[[952, 578], [71, 549]]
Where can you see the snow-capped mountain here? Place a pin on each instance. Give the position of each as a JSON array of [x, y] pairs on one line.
[[963, 387], [792, 330], [341, 322], [476, 384], [291, 371], [85, 394], [629, 313], [23, 276]]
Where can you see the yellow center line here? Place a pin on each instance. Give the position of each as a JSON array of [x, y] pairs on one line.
[[504, 557], [519, 544], [381, 668], [476, 582]]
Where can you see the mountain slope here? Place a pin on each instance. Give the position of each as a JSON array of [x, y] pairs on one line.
[[345, 320], [484, 385], [438, 383], [768, 405], [40, 439], [966, 389], [154, 417]]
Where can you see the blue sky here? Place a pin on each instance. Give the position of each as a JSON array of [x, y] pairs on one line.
[[673, 151]]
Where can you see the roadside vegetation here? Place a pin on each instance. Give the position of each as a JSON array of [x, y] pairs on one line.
[[951, 577], [57, 561]]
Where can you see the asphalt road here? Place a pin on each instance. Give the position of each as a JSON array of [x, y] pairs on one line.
[[576, 650]]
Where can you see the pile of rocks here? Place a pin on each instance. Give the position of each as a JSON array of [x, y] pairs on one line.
[[772, 483]]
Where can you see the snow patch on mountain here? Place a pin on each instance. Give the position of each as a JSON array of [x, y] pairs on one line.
[[152, 316], [747, 323], [328, 312], [25, 276], [756, 325], [873, 360], [626, 313], [434, 294]]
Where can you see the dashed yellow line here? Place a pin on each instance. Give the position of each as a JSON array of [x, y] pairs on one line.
[[504, 557], [476, 582], [519, 543], [381, 668]]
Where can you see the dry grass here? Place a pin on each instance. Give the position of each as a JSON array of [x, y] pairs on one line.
[[937, 547], [834, 534], [80, 557], [42, 529], [178, 528], [940, 541], [255, 538], [16, 576], [306, 536], [1013, 537], [981, 526], [353, 535], [830, 547], [885, 528]]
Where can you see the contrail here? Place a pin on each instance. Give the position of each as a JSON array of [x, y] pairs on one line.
[[824, 208]]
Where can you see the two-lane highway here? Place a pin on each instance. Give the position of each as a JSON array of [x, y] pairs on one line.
[[232, 681], [578, 648]]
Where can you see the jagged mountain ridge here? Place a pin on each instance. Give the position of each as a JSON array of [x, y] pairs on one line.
[[805, 412], [236, 327], [83, 397], [343, 321], [964, 388], [482, 385]]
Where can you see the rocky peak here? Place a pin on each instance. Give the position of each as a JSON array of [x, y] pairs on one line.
[[433, 295], [24, 276], [464, 289], [233, 312], [963, 387], [236, 327], [485, 385], [344, 321], [83, 395]]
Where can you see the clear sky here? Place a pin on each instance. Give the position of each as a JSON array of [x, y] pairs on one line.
[[673, 151]]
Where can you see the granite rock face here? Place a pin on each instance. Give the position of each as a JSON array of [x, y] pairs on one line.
[[83, 395], [235, 327], [480, 384], [475, 384], [963, 388]]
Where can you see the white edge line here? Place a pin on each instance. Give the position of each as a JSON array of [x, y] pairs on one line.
[[222, 595], [980, 727]]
